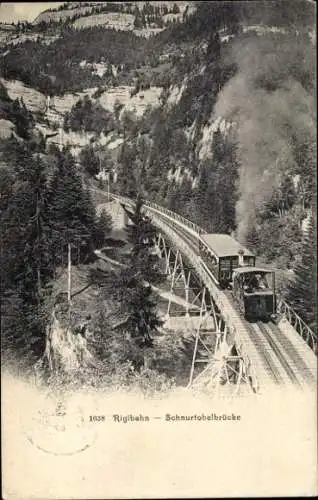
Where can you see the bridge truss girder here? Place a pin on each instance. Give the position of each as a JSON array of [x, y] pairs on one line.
[[213, 348]]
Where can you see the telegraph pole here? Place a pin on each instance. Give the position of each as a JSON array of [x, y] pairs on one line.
[[108, 186], [69, 280]]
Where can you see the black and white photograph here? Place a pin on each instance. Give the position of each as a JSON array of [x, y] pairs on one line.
[[158, 249]]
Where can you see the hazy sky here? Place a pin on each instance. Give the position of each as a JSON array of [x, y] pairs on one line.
[[17, 11]]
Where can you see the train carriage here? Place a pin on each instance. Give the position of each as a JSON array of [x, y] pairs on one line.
[[222, 254], [254, 291]]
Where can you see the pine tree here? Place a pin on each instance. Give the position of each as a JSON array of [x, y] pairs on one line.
[[22, 228], [205, 197], [140, 306], [252, 238], [36, 244], [90, 161], [126, 182], [137, 22], [23, 256], [103, 229], [185, 194], [213, 51], [71, 216], [136, 296], [22, 118], [171, 196], [302, 291], [143, 20], [223, 178], [141, 236]]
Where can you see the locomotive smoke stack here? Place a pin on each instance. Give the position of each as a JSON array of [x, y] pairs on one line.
[[271, 101], [241, 257]]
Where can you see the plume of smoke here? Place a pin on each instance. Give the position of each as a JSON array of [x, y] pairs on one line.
[[271, 98]]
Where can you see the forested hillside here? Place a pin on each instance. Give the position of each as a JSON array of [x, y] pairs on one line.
[[238, 148], [230, 143], [110, 335]]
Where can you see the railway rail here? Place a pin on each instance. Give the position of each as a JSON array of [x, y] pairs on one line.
[[273, 353]]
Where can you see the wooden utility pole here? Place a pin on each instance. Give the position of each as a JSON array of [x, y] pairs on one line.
[[69, 280], [108, 186], [38, 230]]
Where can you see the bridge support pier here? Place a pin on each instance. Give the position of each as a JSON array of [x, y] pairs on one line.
[[213, 346], [236, 355]]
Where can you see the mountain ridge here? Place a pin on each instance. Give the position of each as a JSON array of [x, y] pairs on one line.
[[196, 65]]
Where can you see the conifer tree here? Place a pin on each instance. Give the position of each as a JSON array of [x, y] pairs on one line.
[[23, 255], [141, 236], [36, 244], [22, 228], [302, 291], [252, 238], [90, 161], [103, 229], [140, 307], [136, 296], [126, 182], [171, 196], [71, 214], [137, 22], [205, 197]]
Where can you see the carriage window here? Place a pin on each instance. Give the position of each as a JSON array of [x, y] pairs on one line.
[[255, 282], [225, 263], [249, 261], [235, 262], [262, 281]]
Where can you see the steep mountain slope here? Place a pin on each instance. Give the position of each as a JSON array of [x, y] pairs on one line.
[[217, 111], [213, 117], [145, 18], [235, 135]]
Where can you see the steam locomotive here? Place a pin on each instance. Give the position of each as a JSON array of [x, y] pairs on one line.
[[232, 266]]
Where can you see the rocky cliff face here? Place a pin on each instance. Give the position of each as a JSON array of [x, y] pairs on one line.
[[240, 83], [34, 100], [216, 124], [117, 15]]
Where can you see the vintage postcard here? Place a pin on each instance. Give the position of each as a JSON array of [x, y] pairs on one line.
[[158, 249]]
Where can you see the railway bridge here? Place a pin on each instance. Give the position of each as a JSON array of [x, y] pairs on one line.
[[235, 352]]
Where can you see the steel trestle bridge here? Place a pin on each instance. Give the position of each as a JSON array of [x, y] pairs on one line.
[[234, 352]]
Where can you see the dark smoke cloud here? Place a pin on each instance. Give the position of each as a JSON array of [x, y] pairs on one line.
[[272, 100]]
